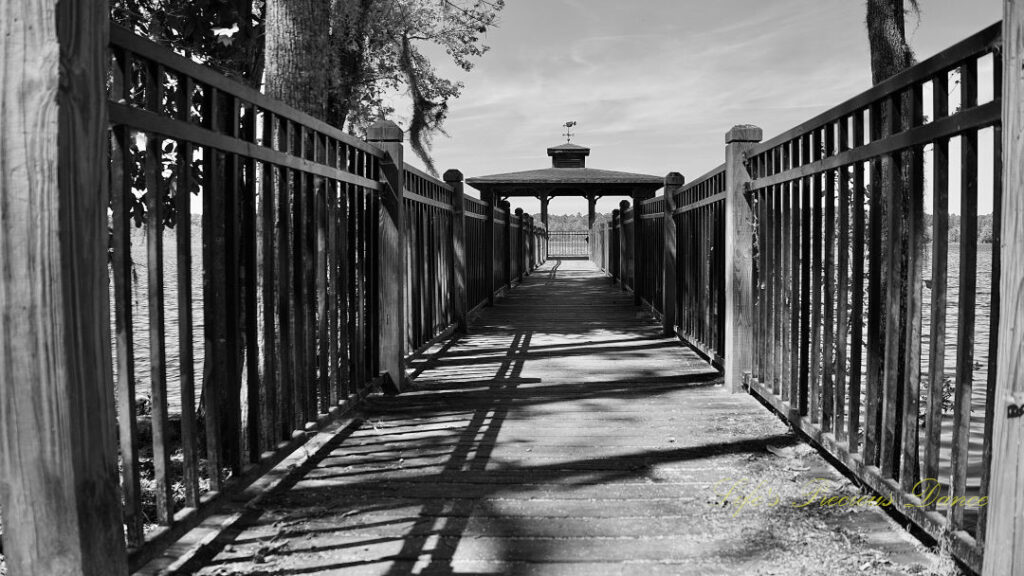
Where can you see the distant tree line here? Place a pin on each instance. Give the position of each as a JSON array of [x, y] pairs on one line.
[[569, 222], [984, 228]]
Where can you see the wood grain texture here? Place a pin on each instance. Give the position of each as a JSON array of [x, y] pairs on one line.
[[738, 265], [1004, 547], [58, 472], [391, 258]]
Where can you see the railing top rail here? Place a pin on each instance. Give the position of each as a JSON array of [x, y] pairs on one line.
[[653, 200], [944, 61], [420, 173], [704, 178], [125, 39]]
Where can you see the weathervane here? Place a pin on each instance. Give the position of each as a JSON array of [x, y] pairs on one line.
[[568, 130]]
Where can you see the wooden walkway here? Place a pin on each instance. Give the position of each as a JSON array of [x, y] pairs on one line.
[[564, 435]]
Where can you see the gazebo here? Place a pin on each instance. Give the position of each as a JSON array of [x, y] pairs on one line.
[[567, 176]]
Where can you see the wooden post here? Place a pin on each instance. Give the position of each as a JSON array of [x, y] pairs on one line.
[[591, 211], [637, 257], [624, 255], [460, 298], [544, 200], [518, 249], [58, 445], [387, 136], [673, 183], [739, 336], [489, 246], [613, 246], [1004, 533], [509, 248]]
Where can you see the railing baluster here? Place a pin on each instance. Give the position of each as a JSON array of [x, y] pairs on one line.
[[963, 397]]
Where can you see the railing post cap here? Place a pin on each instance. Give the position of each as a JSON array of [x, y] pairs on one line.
[[674, 179], [519, 211], [615, 213], [624, 205], [744, 133], [384, 131], [452, 176], [505, 204]]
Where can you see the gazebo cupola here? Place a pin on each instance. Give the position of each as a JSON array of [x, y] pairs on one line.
[[568, 156]]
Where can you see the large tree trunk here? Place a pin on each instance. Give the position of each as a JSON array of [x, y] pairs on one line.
[[890, 55], [298, 59]]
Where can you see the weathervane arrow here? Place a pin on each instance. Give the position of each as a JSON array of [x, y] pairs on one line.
[[568, 130]]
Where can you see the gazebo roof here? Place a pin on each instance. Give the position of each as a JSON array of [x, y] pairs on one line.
[[568, 176]]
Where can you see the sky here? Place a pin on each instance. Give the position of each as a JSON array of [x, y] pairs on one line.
[[655, 84]]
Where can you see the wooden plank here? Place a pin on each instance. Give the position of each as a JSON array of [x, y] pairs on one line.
[[796, 296], [673, 183], [940, 257], [121, 179], [803, 397], [267, 272], [909, 462], [460, 267], [58, 450], [301, 381], [994, 305], [739, 299], [154, 200], [183, 226], [828, 396], [786, 278], [816, 281], [964, 381], [842, 286], [334, 289], [875, 306], [853, 426], [248, 246], [234, 306], [893, 377], [285, 277], [1004, 540], [321, 271], [390, 315]]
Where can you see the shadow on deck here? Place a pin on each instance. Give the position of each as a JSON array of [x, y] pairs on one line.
[[564, 435]]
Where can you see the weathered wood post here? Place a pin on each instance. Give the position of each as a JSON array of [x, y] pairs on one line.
[[489, 246], [387, 136], [544, 200], [1004, 533], [460, 296], [58, 444], [673, 183], [624, 254], [509, 248], [739, 335], [519, 250], [591, 210], [613, 246], [637, 255]]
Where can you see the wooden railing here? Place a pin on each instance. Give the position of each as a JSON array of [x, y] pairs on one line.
[[803, 268], [267, 306], [570, 244], [852, 339], [267, 271], [699, 218]]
